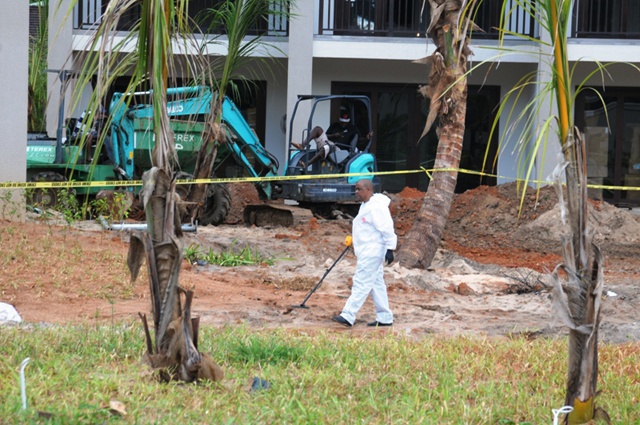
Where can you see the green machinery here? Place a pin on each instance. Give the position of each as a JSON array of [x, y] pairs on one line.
[[131, 140]]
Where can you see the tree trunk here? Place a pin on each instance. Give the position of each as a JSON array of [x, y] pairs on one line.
[[204, 164], [176, 355], [422, 241], [577, 299], [447, 90]]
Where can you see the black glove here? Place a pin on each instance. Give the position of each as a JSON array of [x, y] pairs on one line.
[[389, 256]]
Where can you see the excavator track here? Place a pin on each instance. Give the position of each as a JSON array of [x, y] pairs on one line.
[[266, 215]]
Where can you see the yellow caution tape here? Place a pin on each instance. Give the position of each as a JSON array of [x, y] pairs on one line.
[[119, 183], [128, 183]]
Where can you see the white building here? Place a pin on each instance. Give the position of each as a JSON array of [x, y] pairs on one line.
[[368, 47]]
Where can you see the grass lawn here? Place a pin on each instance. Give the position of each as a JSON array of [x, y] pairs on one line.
[[322, 377]]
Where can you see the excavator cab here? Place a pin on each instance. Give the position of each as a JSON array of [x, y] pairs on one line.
[[330, 180]]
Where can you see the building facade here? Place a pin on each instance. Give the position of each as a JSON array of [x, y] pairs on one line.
[[371, 47]]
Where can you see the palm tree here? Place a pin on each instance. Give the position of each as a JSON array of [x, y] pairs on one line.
[[577, 297], [447, 89], [163, 26], [578, 290], [238, 18]]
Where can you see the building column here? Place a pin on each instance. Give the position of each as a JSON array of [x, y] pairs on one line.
[[14, 72], [300, 55]]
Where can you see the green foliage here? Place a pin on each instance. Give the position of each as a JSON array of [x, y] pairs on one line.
[[255, 350], [37, 81], [193, 253], [116, 209], [533, 125], [315, 377], [10, 207], [232, 22], [229, 258], [72, 210], [64, 201]]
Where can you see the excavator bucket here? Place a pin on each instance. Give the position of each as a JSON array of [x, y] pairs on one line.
[[264, 215]]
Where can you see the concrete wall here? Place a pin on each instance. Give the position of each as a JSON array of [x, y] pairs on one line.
[[300, 73], [276, 112], [14, 71]]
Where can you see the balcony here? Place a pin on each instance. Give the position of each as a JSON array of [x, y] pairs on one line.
[[406, 18], [88, 14], [607, 19]]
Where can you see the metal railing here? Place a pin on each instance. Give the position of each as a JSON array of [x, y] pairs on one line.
[[408, 18], [606, 19], [88, 15]]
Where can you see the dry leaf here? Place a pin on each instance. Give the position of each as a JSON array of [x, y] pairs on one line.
[[117, 407]]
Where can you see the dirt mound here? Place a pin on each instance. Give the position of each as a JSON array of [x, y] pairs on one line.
[[499, 225], [242, 194], [488, 216], [501, 217], [614, 230]]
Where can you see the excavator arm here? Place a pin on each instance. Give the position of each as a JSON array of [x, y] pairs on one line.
[[246, 148], [133, 138]]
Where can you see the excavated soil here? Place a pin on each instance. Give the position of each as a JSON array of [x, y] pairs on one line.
[[490, 275]]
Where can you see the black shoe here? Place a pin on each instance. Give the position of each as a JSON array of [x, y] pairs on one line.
[[376, 323], [341, 320]]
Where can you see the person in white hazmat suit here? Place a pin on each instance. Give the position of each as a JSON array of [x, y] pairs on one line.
[[374, 240]]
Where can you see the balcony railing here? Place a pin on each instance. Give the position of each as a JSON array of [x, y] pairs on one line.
[[88, 14], [607, 19], [407, 18]]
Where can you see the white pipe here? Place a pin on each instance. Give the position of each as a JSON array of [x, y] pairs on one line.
[[140, 226], [23, 383]]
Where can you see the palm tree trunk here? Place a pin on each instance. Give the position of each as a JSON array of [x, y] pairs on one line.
[[422, 241], [176, 355], [578, 299], [152, 62], [447, 90]]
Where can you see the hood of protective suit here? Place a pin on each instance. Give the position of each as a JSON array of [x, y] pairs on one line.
[[378, 200]]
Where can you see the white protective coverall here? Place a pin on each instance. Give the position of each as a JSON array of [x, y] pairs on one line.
[[373, 235]]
